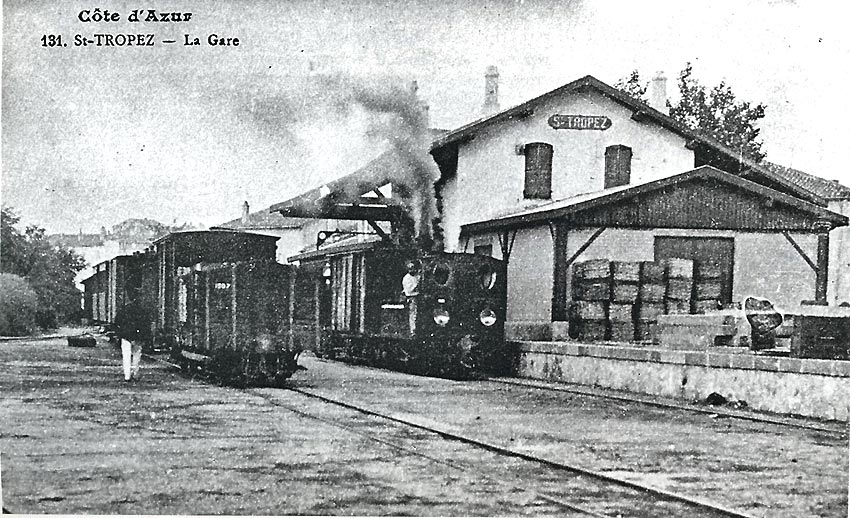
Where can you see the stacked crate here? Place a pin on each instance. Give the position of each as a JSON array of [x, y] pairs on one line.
[[650, 304], [707, 287], [592, 295], [624, 294], [680, 286]]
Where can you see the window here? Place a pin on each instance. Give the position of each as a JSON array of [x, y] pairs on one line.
[[618, 165], [538, 171]]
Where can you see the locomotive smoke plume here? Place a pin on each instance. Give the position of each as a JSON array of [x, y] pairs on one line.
[[387, 114]]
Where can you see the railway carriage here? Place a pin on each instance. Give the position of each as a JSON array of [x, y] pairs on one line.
[[234, 321]]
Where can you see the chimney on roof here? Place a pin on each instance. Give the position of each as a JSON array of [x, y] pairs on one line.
[[658, 92], [245, 211], [491, 91], [423, 107]]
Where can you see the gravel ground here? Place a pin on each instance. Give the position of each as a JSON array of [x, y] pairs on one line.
[[76, 439], [760, 469]]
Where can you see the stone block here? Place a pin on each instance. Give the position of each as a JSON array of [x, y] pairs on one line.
[[766, 363], [560, 330], [719, 360], [741, 361], [695, 358], [790, 365], [527, 330], [812, 366]]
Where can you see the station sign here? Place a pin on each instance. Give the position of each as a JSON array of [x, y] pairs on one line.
[[580, 122]]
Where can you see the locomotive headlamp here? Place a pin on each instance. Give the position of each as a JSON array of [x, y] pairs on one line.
[[487, 317], [441, 316], [326, 271]]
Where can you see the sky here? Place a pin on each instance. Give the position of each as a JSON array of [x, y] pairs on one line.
[[93, 135]]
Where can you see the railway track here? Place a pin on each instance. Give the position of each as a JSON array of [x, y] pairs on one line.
[[568, 488], [576, 490]]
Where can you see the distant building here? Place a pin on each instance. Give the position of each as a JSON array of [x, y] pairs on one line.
[[125, 238], [288, 230]]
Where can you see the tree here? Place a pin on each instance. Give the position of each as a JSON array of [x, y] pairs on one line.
[[49, 270], [714, 112], [18, 306], [632, 86]]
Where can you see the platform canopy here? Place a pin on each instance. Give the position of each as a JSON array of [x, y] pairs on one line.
[[366, 194], [704, 198]]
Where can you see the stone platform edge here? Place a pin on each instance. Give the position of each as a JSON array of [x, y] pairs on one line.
[[709, 358]]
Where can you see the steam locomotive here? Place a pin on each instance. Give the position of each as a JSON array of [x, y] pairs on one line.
[[219, 302], [453, 327]]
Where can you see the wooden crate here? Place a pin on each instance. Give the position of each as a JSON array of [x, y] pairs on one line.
[[651, 272], [621, 312], [705, 271], [679, 288], [677, 307], [592, 330], [593, 269], [679, 268], [649, 311], [622, 331], [625, 271], [592, 290], [708, 290], [646, 331], [706, 306], [590, 310], [652, 292], [627, 293]]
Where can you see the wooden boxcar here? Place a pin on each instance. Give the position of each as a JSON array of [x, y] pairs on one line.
[[179, 252], [234, 320]]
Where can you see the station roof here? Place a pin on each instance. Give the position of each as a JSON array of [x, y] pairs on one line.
[[261, 220], [826, 189], [343, 198], [708, 150], [705, 198]]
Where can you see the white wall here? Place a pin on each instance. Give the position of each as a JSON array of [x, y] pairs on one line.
[[766, 265], [530, 274], [490, 175], [838, 290]]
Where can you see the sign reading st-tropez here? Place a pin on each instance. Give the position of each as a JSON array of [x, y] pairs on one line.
[[580, 122]]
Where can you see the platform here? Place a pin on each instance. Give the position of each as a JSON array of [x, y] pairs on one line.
[[806, 387]]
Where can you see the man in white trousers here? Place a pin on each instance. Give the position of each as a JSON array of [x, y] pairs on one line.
[[131, 355]]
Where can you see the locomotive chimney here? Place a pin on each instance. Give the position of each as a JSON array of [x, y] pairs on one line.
[[658, 92], [245, 211], [491, 91]]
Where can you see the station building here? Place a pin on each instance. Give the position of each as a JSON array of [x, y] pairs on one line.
[[586, 171]]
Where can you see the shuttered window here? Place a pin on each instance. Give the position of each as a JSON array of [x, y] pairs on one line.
[[618, 165], [538, 171]]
